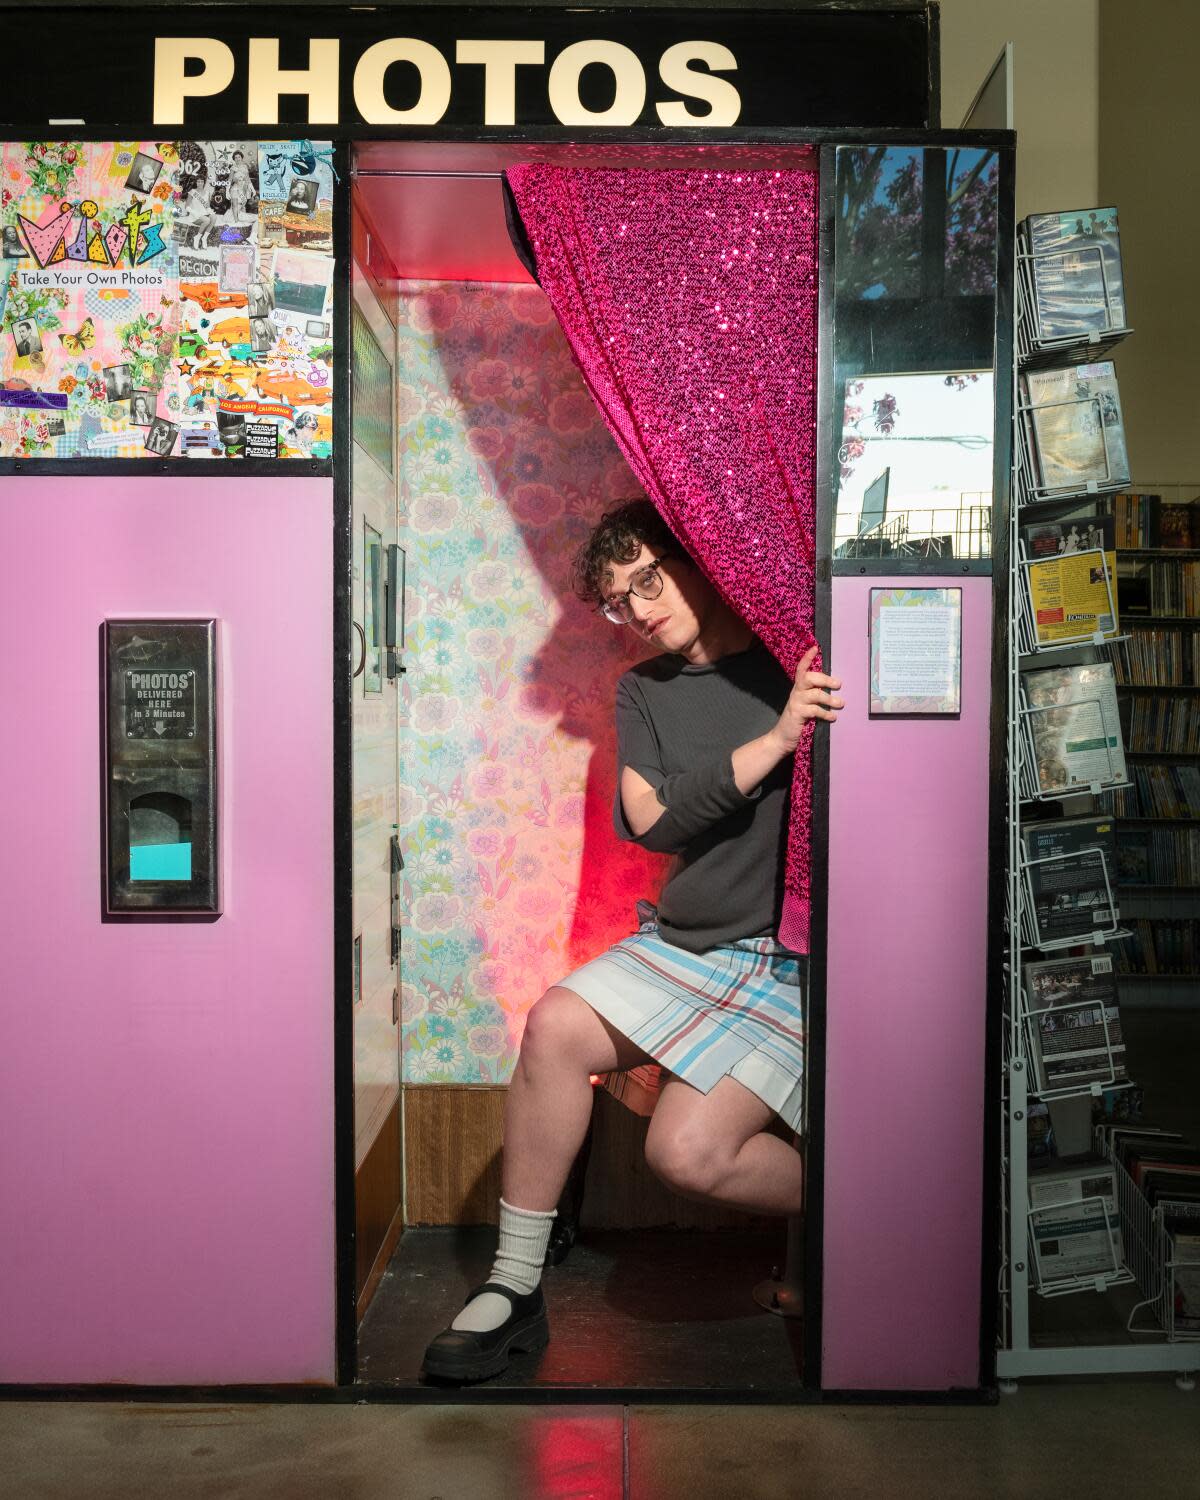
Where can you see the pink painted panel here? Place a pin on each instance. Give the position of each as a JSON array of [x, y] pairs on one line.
[[166, 1090], [907, 946]]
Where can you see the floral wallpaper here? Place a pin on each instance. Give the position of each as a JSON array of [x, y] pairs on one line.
[[513, 875]]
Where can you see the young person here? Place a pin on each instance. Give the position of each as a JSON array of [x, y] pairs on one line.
[[706, 733]]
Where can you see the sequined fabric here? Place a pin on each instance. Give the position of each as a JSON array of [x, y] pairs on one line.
[[689, 298]]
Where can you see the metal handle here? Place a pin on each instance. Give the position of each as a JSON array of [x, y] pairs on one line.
[[362, 661]]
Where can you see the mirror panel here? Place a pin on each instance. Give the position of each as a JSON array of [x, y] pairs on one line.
[[914, 323]]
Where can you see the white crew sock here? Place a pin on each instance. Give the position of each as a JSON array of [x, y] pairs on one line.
[[520, 1256]]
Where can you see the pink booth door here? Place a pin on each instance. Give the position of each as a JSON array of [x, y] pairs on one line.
[[906, 1008], [166, 1088]]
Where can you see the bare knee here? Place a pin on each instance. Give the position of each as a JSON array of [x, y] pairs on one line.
[[685, 1161], [555, 1028]]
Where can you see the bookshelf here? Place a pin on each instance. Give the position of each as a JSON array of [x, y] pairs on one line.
[[1120, 819], [1159, 965]]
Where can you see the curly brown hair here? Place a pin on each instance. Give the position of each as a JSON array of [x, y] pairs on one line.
[[618, 537]]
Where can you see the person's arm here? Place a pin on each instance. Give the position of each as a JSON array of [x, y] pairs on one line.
[[663, 813]]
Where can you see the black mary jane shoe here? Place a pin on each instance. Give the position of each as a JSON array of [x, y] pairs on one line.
[[459, 1354]]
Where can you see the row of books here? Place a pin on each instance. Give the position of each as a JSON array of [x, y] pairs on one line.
[[1074, 591], [1078, 1233], [1163, 1165], [1073, 868], [1160, 945], [1168, 725], [1158, 658], [1164, 586], [1071, 436], [1158, 856], [1071, 278], [1146, 521], [1163, 1168], [1124, 1102], [1162, 791]]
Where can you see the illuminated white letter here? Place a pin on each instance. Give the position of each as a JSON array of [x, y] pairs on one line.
[[724, 100], [500, 63], [626, 71], [319, 81], [432, 102], [173, 84]]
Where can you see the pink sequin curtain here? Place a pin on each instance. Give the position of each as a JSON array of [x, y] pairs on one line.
[[689, 299]]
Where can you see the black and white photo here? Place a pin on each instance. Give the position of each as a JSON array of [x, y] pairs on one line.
[[302, 196], [141, 409], [27, 336], [260, 299], [161, 437], [231, 429], [144, 173], [13, 247], [118, 382], [261, 335]]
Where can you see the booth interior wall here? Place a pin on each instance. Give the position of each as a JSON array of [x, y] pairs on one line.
[[513, 875], [166, 1088], [374, 708]]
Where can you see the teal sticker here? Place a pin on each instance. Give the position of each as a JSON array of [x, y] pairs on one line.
[[160, 861]]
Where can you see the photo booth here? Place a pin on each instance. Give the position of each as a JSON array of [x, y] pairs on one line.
[[298, 1127]]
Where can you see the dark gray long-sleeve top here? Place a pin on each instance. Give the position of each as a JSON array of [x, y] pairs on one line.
[[678, 726]]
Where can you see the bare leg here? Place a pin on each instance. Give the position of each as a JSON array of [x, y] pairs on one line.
[[550, 1097], [713, 1147], [546, 1117]]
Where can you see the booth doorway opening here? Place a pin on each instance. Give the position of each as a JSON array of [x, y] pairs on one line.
[[485, 867]]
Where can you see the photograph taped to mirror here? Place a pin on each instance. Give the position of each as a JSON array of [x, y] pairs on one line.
[[915, 465]]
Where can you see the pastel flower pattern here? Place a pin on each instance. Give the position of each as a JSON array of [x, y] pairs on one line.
[[508, 761]]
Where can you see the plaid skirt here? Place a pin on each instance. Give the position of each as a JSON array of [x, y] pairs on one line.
[[736, 1009]]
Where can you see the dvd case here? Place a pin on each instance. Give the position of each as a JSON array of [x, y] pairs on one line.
[[1075, 429], [1078, 283]]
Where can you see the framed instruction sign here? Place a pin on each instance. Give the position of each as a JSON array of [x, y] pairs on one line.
[[916, 651]]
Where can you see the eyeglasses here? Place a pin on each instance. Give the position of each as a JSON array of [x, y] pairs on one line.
[[646, 583]]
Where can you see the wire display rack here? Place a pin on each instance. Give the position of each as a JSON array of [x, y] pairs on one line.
[[1154, 1262], [1143, 1253], [1035, 351], [1105, 924]]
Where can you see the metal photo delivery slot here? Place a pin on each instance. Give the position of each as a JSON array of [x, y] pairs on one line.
[[161, 766]]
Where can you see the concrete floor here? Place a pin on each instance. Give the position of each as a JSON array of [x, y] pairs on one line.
[[1067, 1437]]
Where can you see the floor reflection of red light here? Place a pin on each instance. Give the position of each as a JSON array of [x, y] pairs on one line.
[[574, 1458]]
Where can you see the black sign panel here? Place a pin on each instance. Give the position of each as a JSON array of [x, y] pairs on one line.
[[160, 824], [477, 69]]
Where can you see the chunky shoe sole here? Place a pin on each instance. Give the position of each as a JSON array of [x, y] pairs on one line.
[[526, 1336], [461, 1354]]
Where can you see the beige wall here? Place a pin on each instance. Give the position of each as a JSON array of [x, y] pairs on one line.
[[1149, 141], [1105, 99], [1056, 96]]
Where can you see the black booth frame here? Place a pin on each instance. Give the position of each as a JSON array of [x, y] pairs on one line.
[[347, 1388]]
